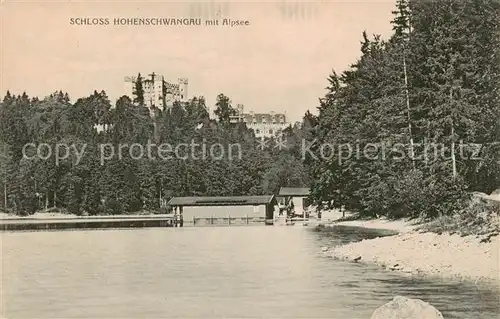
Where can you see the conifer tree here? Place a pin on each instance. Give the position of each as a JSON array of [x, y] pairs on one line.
[[224, 109], [138, 91]]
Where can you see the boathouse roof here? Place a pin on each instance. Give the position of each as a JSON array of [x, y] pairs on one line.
[[294, 191], [223, 201]]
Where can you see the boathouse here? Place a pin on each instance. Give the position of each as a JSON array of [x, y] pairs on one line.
[[225, 210], [295, 197]]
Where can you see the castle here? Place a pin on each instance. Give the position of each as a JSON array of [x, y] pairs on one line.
[[158, 92], [264, 125], [161, 94]]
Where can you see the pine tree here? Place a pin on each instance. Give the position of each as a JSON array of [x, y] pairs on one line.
[[446, 43], [224, 109], [8, 99], [138, 91], [401, 37]]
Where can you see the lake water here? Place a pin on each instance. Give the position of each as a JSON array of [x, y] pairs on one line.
[[209, 272]]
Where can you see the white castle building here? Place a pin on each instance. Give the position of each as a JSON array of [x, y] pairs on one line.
[[157, 91], [264, 125]]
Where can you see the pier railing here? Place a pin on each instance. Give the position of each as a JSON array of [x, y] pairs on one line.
[[137, 221], [225, 221], [86, 222]]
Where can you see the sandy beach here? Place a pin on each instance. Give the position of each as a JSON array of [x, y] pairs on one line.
[[402, 226], [38, 215], [424, 254]]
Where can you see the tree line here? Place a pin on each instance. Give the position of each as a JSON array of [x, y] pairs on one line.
[[130, 183], [433, 83]]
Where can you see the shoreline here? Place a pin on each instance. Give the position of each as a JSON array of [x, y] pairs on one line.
[[409, 252], [401, 226], [57, 221], [427, 254], [53, 216], [59, 216]]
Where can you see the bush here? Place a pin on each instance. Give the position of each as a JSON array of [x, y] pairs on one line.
[[113, 207], [480, 217], [414, 195]]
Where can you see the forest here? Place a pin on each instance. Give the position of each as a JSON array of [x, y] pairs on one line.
[[434, 82], [130, 183]]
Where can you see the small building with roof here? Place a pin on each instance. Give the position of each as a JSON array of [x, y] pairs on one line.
[[238, 209], [295, 198]]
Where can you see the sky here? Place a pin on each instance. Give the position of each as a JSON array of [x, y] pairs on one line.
[[278, 62]]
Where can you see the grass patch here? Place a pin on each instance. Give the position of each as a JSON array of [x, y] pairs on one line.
[[480, 218]]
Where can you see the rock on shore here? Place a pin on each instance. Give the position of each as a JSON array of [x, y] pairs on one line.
[[405, 308], [428, 254]]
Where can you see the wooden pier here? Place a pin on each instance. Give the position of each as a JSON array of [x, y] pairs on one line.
[[227, 221], [88, 222]]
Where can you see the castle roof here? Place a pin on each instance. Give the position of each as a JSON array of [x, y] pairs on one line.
[[264, 117], [172, 86]]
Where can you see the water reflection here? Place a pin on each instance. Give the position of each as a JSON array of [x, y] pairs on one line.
[[231, 272]]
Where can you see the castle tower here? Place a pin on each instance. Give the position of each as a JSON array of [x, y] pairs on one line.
[[129, 86], [239, 116], [155, 93], [183, 88], [240, 108]]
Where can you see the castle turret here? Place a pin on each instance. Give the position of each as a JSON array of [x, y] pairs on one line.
[[183, 88], [239, 116], [240, 109]]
